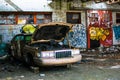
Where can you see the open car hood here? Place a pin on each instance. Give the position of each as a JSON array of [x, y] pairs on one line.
[[51, 31]]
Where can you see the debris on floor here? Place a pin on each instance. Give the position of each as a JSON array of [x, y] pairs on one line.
[[42, 75], [34, 69]]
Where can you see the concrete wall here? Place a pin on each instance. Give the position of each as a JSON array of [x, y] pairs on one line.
[[59, 14], [9, 31]]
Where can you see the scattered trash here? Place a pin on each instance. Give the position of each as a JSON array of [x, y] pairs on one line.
[[9, 78], [93, 50], [112, 67], [100, 67], [100, 59], [42, 75], [8, 68], [22, 76], [35, 69], [40, 79], [19, 77], [89, 58], [115, 67]]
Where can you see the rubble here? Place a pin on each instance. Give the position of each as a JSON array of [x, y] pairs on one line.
[[34, 69], [102, 66], [42, 75]]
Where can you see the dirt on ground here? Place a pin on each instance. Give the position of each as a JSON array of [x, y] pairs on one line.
[[92, 67]]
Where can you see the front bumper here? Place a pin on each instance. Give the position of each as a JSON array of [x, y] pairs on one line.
[[57, 62]]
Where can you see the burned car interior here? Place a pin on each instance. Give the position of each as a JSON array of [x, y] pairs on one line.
[[51, 33], [51, 45]]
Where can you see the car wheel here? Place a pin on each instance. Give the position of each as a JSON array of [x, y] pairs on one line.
[[29, 60], [69, 66], [10, 54]]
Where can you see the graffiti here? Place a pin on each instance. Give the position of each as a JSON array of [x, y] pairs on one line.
[[98, 33], [116, 30], [9, 31], [99, 28], [78, 36], [116, 34]]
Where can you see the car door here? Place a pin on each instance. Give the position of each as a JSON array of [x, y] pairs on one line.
[[16, 45]]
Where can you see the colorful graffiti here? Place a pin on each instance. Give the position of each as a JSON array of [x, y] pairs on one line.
[[99, 28], [97, 33], [9, 31], [116, 30], [116, 34], [77, 36], [104, 35]]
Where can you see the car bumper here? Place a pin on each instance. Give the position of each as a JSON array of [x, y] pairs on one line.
[[59, 61]]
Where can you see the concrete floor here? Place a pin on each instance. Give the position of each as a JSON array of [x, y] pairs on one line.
[[107, 69]]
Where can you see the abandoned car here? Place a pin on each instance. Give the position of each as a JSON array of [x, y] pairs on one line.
[[46, 46]]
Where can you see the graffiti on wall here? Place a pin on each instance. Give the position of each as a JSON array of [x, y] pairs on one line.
[[99, 28], [97, 33], [116, 34], [78, 36], [8, 31]]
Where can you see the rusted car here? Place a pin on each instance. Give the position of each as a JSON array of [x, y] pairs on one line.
[[46, 46]]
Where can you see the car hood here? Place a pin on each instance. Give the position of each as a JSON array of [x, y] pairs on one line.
[[51, 31]]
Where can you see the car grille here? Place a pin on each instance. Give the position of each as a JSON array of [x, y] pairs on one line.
[[63, 54]]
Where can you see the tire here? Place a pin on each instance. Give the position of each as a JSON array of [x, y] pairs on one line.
[[69, 66], [11, 55], [29, 60]]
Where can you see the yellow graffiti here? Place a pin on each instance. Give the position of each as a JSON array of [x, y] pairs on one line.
[[98, 33]]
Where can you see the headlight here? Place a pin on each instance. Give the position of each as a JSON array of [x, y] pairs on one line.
[[75, 52], [38, 55], [47, 54]]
